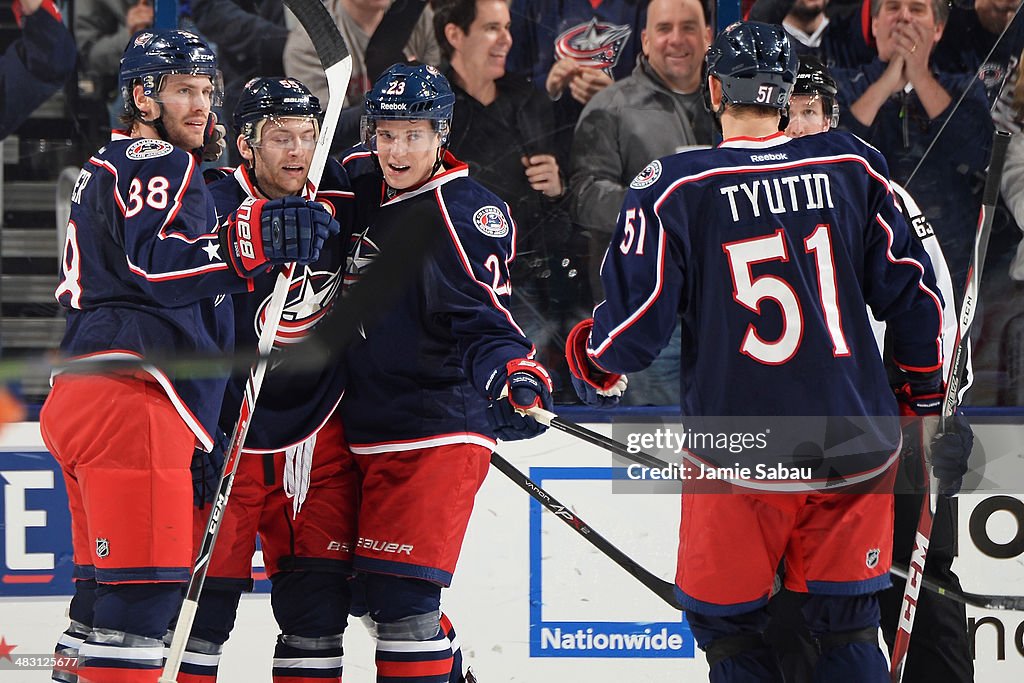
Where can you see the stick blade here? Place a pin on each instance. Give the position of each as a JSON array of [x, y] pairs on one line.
[[322, 30]]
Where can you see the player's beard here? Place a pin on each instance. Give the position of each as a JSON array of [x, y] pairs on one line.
[[805, 13]]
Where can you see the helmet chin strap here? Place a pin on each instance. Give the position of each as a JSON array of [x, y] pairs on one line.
[[157, 123]]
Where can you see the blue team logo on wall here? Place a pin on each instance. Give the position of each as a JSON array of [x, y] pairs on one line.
[[491, 221], [148, 148], [648, 176]]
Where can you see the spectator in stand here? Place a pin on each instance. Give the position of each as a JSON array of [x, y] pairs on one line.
[[357, 20], [898, 103], [837, 38], [36, 64], [102, 29], [250, 36], [503, 128], [972, 32], [575, 46], [656, 111]]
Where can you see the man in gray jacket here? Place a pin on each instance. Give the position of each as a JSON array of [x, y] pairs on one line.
[[654, 112]]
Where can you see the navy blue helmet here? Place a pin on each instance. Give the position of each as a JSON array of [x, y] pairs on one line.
[[755, 63], [409, 92], [264, 98], [814, 79], [152, 54]]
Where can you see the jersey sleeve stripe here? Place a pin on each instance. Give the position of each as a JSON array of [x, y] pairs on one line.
[[176, 274], [636, 315]]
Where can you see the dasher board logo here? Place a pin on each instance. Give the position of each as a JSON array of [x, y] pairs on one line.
[[587, 637]]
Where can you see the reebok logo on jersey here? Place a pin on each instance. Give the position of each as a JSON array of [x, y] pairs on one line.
[[774, 156], [491, 221], [648, 176], [148, 148]]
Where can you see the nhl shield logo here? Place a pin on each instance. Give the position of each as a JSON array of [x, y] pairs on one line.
[[102, 547], [871, 560]]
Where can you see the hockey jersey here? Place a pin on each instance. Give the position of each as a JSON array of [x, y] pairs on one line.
[[142, 273], [292, 406], [771, 250], [418, 371]]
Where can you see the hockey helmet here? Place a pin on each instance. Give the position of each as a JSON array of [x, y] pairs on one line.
[[813, 78], [410, 92], [755, 63], [153, 54], [269, 98]]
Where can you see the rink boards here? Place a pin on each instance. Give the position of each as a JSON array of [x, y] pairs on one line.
[[532, 601]]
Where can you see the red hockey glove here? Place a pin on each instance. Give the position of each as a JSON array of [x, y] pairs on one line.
[[521, 385], [595, 387], [214, 142], [262, 233]]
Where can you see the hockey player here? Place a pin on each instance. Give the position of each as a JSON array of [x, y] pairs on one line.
[[294, 442], [434, 378], [940, 649], [144, 265], [772, 250]]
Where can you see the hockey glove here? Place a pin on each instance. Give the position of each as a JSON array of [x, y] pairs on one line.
[[522, 384], [950, 453], [262, 233], [206, 470], [595, 387], [214, 142]]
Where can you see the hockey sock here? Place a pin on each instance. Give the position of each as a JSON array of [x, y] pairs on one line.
[[308, 660], [65, 668], [213, 623], [199, 662], [845, 628], [449, 631], [109, 656], [735, 646], [406, 653]]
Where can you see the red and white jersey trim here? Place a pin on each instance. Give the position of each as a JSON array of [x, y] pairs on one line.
[[422, 443]]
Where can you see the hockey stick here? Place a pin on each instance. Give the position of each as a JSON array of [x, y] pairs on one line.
[[912, 590], [546, 417], [982, 600], [337, 63], [663, 589]]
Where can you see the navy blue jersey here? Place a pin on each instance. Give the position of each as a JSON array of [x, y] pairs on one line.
[[142, 271], [771, 250], [417, 373], [292, 406]]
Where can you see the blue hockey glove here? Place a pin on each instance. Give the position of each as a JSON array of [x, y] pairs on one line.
[[262, 233], [522, 384], [595, 387], [950, 453], [921, 395], [206, 470]]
